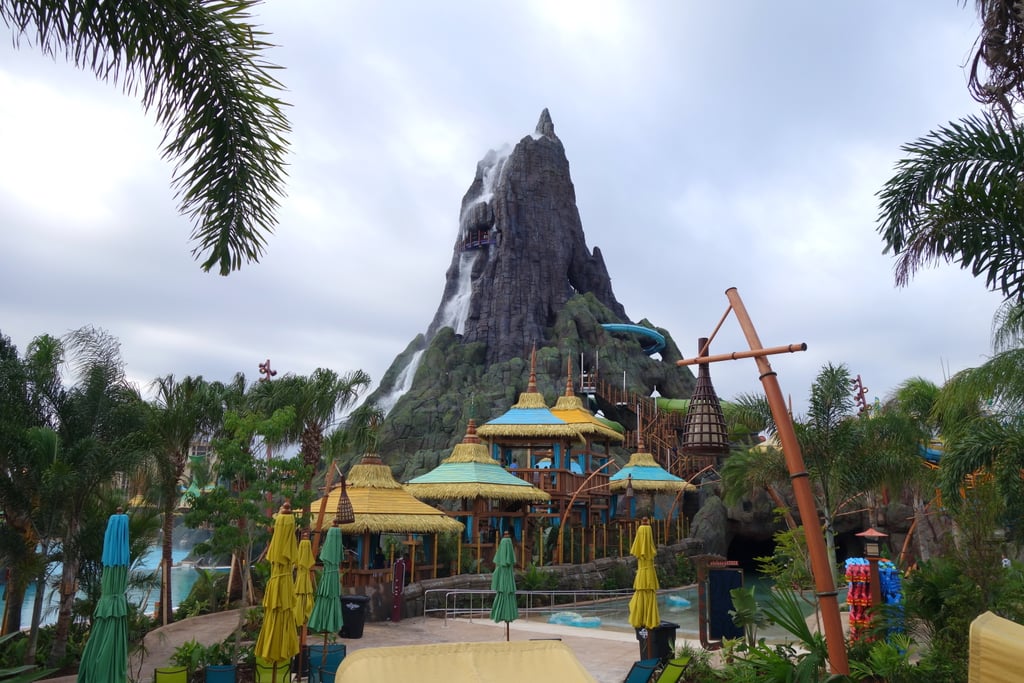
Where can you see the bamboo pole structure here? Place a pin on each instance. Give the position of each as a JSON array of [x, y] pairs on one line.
[[824, 586]]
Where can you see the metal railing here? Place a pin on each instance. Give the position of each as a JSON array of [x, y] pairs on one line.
[[470, 604]]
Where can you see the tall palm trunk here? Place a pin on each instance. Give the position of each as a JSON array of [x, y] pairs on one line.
[[68, 585], [167, 546]]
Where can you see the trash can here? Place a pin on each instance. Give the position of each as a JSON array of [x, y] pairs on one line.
[[658, 642], [353, 614]]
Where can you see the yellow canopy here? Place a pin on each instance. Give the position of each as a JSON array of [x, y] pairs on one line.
[[997, 647], [537, 661]]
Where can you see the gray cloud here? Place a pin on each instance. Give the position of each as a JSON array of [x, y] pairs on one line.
[[712, 145]]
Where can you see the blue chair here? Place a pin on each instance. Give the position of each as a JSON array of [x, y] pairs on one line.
[[170, 674], [642, 671]]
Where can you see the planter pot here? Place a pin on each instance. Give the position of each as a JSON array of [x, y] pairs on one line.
[[221, 673], [319, 663]]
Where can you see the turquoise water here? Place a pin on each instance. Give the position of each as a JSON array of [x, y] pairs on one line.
[[182, 579], [678, 606]]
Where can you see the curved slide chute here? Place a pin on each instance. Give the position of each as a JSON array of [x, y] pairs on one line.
[[652, 341]]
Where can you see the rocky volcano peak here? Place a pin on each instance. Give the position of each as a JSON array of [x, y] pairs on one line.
[[521, 276], [520, 253]]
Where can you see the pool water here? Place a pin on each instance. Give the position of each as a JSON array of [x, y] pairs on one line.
[[678, 606]]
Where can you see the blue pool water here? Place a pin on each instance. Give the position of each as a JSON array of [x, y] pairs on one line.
[[182, 579]]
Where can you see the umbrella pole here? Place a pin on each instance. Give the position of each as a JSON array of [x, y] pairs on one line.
[[506, 631]]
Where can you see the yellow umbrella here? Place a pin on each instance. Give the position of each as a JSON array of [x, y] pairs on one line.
[[278, 641], [303, 581], [643, 606]]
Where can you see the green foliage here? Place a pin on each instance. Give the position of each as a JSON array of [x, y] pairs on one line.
[[803, 662], [790, 563], [196, 656], [889, 660], [747, 613], [196, 65], [11, 654], [617, 577], [699, 668], [955, 199], [536, 579], [208, 593]]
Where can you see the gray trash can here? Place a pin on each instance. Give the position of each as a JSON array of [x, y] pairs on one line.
[[353, 614]]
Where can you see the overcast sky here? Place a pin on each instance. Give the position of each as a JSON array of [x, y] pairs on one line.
[[712, 145]]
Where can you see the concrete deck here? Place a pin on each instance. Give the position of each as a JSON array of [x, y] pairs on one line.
[[607, 655]]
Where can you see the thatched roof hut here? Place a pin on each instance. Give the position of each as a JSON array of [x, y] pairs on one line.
[[529, 418], [470, 472], [382, 505], [643, 473]]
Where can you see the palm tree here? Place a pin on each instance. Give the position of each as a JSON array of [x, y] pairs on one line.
[[317, 399], [185, 410], [982, 409], [957, 198], [997, 69], [100, 421], [201, 66]]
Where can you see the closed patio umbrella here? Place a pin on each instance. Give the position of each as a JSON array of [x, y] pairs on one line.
[[303, 582], [503, 583], [643, 606], [326, 616], [278, 640], [105, 657]]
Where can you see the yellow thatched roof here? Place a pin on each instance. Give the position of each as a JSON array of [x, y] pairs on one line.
[[570, 409], [382, 505], [387, 510]]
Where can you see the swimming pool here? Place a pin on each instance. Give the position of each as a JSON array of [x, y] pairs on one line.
[[678, 606]]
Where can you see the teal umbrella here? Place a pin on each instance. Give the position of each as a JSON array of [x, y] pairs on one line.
[[105, 657], [503, 583], [326, 615]]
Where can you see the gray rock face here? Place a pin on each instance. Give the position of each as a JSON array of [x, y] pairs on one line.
[[521, 275], [710, 526], [527, 253]]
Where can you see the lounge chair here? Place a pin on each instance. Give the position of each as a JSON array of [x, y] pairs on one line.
[[170, 674], [673, 670], [221, 673], [642, 671]]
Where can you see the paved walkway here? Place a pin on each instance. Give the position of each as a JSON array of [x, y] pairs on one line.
[[607, 655]]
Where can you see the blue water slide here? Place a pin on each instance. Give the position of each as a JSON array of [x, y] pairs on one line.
[[652, 341]]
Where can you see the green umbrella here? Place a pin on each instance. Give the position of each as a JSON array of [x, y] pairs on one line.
[[105, 657], [503, 583], [326, 615], [278, 641]]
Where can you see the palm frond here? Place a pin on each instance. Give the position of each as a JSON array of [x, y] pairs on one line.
[[199, 66], [956, 198]]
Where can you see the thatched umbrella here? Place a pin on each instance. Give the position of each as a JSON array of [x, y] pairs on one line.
[[643, 474], [529, 418], [382, 505], [471, 474]]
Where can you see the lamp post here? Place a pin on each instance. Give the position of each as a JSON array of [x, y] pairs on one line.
[[825, 588], [873, 552]]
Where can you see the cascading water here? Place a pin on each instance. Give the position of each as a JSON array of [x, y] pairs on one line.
[[455, 310], [402, 384]]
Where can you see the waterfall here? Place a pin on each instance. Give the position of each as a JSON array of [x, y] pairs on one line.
[[403, 383]]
